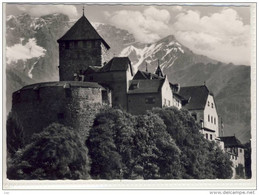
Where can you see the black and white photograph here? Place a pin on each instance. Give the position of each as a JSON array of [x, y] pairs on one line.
[[144, 92]]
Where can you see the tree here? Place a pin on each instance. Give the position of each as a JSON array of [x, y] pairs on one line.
[[131, 147], [54, 153], [110, 141], [200, 158], [155, 152]]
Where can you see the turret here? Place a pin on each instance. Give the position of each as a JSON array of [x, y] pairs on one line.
[[79, 48]]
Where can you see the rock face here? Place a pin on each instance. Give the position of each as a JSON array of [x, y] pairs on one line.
[[35, 40]]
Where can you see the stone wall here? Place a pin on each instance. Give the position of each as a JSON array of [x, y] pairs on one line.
[[76, 56], [75, 106]]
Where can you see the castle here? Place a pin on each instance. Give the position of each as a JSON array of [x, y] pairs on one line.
[[87, 81]]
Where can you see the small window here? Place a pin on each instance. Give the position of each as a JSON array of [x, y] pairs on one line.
[[194, 115], [76, 44], [169, 102], [240, 150], [211, 105], [207, 136], [215, 120], [210, 137], [150, 100], [209, 118], [208, 103], [67, 45], [85, 44]]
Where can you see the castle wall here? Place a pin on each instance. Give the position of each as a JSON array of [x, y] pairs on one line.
[[117, 82], [36, 108], [76, 56], [139, 103]]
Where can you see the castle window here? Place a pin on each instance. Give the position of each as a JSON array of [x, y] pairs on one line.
[[67, 45], [240, 150], [211, 105], [85, 44], [104, 95], [194, 115], [150, 100], [164, 102], [76, 44], [209, 118], [207, 135], [215, 120], [210, 137], [61, 115], [208, 103]]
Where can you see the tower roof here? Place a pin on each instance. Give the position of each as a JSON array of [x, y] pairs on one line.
[[82, 30], [159, 71]]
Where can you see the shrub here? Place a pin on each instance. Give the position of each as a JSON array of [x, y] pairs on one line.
[[54, 153]]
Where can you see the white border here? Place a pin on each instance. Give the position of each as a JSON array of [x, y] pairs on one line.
[[154, 184]]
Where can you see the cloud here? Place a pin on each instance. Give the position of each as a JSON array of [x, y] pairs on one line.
[[147, 26], [24, 52], [222, 36], [40, 10]]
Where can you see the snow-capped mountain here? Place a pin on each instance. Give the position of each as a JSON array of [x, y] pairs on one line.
[[32, 56]]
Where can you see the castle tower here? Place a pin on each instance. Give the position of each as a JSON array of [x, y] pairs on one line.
[[80, 48]]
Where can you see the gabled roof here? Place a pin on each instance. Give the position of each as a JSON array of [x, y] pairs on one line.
[[117, 64], [82, 30], [197, 96], [231, 141], [145, 86], [142, 75]]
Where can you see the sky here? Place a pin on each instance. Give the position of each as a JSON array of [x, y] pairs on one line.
[[221, 32]]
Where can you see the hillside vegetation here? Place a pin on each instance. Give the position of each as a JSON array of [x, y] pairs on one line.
[[161, 144]]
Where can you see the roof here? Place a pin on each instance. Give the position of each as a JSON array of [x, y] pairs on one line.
[[141, 75], [117, 64], [231, 141], [145, 86], [82, 30], [62, 84], [159, 71], [197, 96]]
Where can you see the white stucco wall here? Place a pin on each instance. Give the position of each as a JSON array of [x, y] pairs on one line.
[[166, 94], [211, 112]]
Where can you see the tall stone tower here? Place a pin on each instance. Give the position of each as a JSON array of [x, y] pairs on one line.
[[79, 48]]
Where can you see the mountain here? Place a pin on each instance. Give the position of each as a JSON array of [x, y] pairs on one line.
[[32, 56]]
